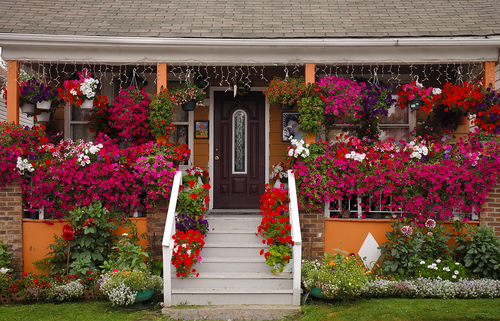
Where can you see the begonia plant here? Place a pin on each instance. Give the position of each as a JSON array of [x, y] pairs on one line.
[[288, 91], [186, 253]]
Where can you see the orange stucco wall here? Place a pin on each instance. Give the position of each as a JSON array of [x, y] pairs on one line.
[[349, 234], [37, 236]]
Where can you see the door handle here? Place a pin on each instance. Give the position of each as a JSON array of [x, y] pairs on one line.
[[216, 158]]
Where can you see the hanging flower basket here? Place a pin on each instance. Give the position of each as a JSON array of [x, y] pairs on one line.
[[415, 104], [87, 104], [44, 116], [28, 108], [189, 106], [286, 107], [45, 105]]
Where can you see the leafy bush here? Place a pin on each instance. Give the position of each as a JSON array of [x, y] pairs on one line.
[[408, 245], [478, 249], [4, 255], [442, 270]]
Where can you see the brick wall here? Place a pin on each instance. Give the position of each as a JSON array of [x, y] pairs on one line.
[[156, 225], [312, 227], [490, 214], [11, 225]]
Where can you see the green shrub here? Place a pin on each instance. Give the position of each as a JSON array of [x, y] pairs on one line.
[[478, 249], [4, 255]]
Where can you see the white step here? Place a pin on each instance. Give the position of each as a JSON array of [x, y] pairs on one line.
[[239, 296], [263, 281], [236, 236], [234, 222], [232, 265]]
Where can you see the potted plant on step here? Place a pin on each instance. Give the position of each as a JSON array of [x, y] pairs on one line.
[[186, 253], [126, 287]]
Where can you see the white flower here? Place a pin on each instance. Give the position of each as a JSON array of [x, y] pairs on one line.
[[422, 262], [23, 164], [454, 276], [456, 263], [4, 270], [436, 91], [456, 272], [438, 261]]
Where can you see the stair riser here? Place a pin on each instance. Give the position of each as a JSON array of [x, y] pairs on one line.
[[251, 267], [233, 238], [237, 252], [231, 299], [264, 284], [233, 224]]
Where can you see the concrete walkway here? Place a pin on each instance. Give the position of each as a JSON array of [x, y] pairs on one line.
[[232, 312]]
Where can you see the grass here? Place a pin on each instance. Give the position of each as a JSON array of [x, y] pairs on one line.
[[317, 310]]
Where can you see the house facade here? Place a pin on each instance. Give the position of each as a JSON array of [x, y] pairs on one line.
[[234, 48]]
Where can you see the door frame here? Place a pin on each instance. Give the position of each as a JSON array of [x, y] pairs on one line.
[[211, 138]]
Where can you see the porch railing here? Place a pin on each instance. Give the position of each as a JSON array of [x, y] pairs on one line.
[[296, 238], [167, 242]]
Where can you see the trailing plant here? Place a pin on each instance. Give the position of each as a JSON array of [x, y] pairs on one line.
[[186, 253], [161, 114], [4, 255], [121, 287], [275, 228], [130, 115], [288, 91], [478, 249], [311, 114], [442, 270], [188, 92], [99, 119], [185, 222], [377, 100], [415, 90], [343, 97], [193, 201], [487, 111], [77, 90]]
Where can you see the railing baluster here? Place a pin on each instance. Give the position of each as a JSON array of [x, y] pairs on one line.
[[296, 238]]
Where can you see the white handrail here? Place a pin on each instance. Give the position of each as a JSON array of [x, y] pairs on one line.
[[167, 242], [296, 238]]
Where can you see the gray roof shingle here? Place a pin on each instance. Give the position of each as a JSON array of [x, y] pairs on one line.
[[252, 19]]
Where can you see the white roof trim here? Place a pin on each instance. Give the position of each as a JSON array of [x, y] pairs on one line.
[[247, 51]]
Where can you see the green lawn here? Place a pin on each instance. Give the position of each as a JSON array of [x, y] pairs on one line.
[[375, 309]]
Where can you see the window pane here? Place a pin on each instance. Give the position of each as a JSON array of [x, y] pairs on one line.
[[239, 123], [181, 135], [180, 115], [78, 114], [81, 131]]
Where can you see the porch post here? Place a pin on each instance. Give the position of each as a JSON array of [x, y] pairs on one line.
[[161, 81], [310, 77], [489, 74], [12, 92]]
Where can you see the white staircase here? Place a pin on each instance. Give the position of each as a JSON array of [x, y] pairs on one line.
[[232, 270]]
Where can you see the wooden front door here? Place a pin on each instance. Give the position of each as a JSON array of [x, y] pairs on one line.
[[239, 150]]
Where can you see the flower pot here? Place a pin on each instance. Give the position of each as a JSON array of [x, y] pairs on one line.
[[87, 104], [28, 108], [415, 104], [189, 106], [44, 116], [286, 107], [45, 105], [317, 293], [143, 295]]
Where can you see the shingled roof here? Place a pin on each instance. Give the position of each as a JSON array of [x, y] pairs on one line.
[[252, 19]]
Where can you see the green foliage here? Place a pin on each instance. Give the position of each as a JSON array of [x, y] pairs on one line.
[[311, 114], [478, 249], [191, 201], [91, 246], [278, 257], [128, 254], [287, 91], [341, 277], [161, 115], [402, 253], [4, 255]]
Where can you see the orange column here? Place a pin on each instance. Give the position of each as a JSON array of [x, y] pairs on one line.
[[161, 81], [12, 92], [489, 74], [310, 78]]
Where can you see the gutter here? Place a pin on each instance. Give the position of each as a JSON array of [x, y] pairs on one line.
[[71, 40]]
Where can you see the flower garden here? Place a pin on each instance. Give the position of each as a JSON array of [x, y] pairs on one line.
[[94, 186]]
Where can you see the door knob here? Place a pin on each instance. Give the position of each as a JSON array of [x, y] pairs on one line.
[[216, 157]]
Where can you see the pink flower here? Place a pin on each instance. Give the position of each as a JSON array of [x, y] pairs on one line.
[[407, 230], [430, 223]]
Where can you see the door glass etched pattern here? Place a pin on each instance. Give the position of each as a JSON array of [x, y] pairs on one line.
[[239, 158]]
